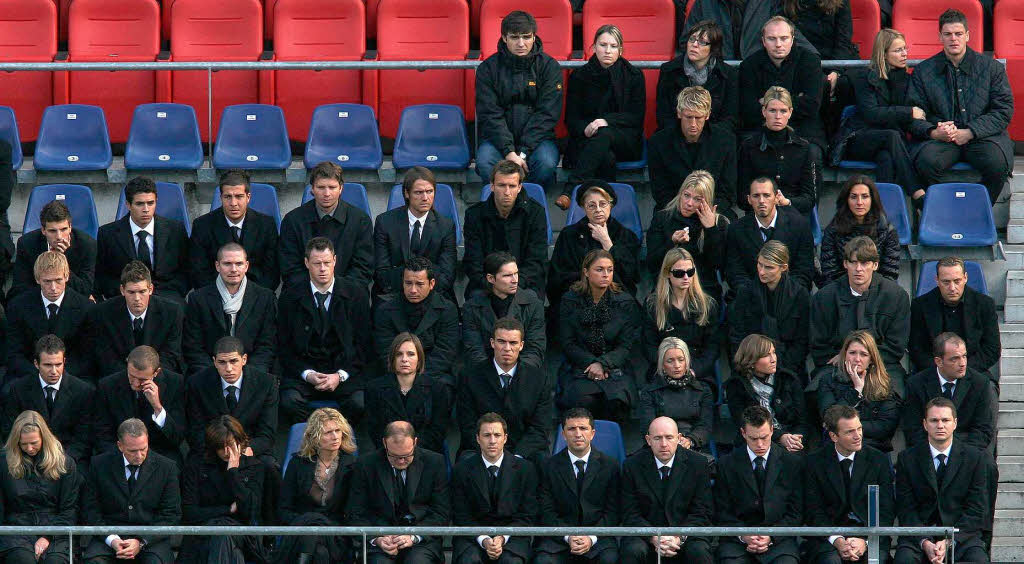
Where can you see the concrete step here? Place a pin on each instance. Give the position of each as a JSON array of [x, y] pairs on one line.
[[1015, 283], [1011, 469], [1011, 496], [1011, 391], [1011, 415], [1011, 335], [1012, 360], [1008, 523], [1015, 226], [1008, 549], [1010, 442], [1014, 256]]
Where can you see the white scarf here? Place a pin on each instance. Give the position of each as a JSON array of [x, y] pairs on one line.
[[231, 303]]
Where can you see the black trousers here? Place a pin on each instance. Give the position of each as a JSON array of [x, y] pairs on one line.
[[936, 157], [598, 154], [910, 555], [411, 555], [607, 556], [886, 148], [479, 556], [638, 550], [295, 403], [28, 556]]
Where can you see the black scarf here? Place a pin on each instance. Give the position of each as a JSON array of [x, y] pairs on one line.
[[593, 318]]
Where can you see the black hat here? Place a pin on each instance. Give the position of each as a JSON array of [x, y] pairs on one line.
[[595, 183]]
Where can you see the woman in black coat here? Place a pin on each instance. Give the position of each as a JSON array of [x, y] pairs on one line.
[[676, 392], [222, 487], [598, 230], [39, 486], [604, 112], [407, 393], [759, 381], [599, 325], [315, 490], [701, 65], [859, 212]]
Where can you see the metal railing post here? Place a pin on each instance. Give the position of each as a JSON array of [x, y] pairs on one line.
[[873, 540], [209, 111], [71, 547], [657, 549], [364, 547]]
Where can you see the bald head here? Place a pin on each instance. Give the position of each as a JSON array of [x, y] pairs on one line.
[[663, 438], [662, 425]]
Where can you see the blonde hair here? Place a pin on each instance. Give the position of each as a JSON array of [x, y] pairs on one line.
[[774, 252], [51, 458], [315, 428], [667, 344], [883, 40], [694, 98], [776, 93], [49, 261], [877, 386], [703, 183], [696, 304], [615, 32]]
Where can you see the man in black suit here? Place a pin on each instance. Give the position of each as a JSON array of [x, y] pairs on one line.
[[414, 493], [769, 221], [837, 476], [55, 310], [131, 487], [421, 310], [56, 234], [951, 378], [234, 222], [323, 341], [516, 391], [495, 489], [160, 243], [760, 485], [66, 402], [579, 486], [145, 391], [116, 326], [232, 305], [327, 215], [942, 482], [412, 230], [666, 485]]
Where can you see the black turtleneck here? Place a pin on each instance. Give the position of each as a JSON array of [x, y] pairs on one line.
[[499, 305], [776, 138], [898, 80], [414, 312]]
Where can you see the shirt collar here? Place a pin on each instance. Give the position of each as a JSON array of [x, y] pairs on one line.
[[126, 463], [413, 219], [661, 464], [330, 289], [585, 458], [842, 458], [56, 386], [855, 293], [331, 212], [135, 228], [935, 452], [943, 380], [488, 464], [230, 224], [238, 384], [511, 373], [771, 225], [134, 317], [58, 301], [752, 456]]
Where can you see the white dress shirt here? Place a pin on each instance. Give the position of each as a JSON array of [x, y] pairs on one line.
[[46, 303], [586, 464], [412, 222], [135, 235], [342, 375], [832, 539], [487, 465]]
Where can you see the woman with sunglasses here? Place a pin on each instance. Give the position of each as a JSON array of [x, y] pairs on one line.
[[679, 307], [701, 64], [676, 392]]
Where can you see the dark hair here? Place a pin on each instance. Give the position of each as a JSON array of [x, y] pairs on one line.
[[219, 430], [399, 429], [577, 413], [952, 16], [227, 345], [763, 180], [319, 244], [941, 340], [844, 221], [412, 175], [939, 401], [231, 247], [326, 170], [755, 416], [509, 324], [508, 167], [713, 32], [54, 212], [494, 261], [836, 412], [49, 344], [143, 357], [518, 22], [861, 249], [235, 177], [138, 185], [419, 264], [135, 271], [582, 286], [491, 417]]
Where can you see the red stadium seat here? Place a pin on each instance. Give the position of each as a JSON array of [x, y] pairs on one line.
[[63, 6], [918, 20], [28, 33], [648, 34], [1008, 41], [371, 18], [111, 31], [475, 8], [311, 30], [224, 30], [867, 20], [413, 30]]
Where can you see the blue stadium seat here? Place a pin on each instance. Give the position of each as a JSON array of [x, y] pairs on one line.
[[164, 137], [534, 191], [9, 133], [432, 135], [962, 166], [625, 211], [895, 205], [73, 137], [345, 134], [815, 226], [975, 277], [607, 439], [264, 200], [292, 447], [317, 404], [352, 193], [252, 136], [170, 203], [444, 204], [849, 112], [76, 197], [634, 165], [957, 214]]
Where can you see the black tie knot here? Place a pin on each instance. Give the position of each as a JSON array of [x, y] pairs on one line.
[[50, 392], [236, 234], [142, 252], [321, 299], [231, 397], [846, 463], [940, 471], [52, 309], [767, 232], [414, 241], [666, 471], [506, 379], [581, 466], [947, 391], [493, 470]]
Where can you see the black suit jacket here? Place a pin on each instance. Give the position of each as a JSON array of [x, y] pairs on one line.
[[684, 502], [373, 501], [71, 419], [427, 405], [107, 335], [980, 329], [971, 397], [516, 501], [391, 250], [438, 331], [298, 479], [116, 402], [259, 239], [116, 247], [256, 409], [205, 323], [559, 502], [81, 257], [743, 242], [26, 323], [155, 500], [352, 243], [525, 405]]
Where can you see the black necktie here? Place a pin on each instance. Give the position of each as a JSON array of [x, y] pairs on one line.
[[141, 405], [142, 252], [767, 232], [137, 330], [231, 398], [399, 487], [493, 484], [947, 390], [759, 474], [506, 379], [236, 234], [666, 471], [51, 318], [845, 465], [940, 472], [414, 242], [321, 306], [50, 393], [133, 476], [580, 469]]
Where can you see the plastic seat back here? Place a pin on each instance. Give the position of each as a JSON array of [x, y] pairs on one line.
[[895, 204], [9, 133], [867, 21], [28, 34], [252, 136], [263, 198], [76, 197], [919, 22], [625, 211], [113, 31], [345, 134], [957, 214], [1008, 40], [535, 192], [352, 193], [432, 135], [816, 233], [292, 446], [73, 137], [444, 204], [318, 30], [975, 277], [164, 137], [607, 439], [170, 204]]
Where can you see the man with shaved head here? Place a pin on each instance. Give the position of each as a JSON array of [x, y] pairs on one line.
[[666, 486]]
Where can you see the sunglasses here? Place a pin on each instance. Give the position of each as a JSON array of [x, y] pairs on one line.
[[681, 273]]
